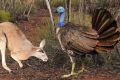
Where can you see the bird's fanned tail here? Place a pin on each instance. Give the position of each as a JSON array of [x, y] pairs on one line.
[[106, 27]]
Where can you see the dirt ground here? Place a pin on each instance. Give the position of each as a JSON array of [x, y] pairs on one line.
[[57, 65]]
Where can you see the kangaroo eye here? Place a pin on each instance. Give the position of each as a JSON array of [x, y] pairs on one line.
[[42, 51]]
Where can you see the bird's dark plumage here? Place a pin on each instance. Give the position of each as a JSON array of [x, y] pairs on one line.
[[75, 38], [102, 37], [106, 27]]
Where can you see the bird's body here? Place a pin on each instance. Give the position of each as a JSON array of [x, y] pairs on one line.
[[101, 38], [78, 38]]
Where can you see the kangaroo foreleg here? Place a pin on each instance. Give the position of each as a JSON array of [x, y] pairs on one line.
[[2, 49], [16, 59]]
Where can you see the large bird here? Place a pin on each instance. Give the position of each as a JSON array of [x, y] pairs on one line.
[[76, 39]]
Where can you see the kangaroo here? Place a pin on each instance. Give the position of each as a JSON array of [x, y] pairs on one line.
[[19, 46]]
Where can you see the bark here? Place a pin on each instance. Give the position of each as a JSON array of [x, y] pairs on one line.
[[51, 16]]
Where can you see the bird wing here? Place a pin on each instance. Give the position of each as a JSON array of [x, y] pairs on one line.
[[74, 38]]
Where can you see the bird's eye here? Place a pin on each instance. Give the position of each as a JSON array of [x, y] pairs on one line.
[[60, 9]]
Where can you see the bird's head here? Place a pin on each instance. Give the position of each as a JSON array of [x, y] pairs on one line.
[[60, 10]]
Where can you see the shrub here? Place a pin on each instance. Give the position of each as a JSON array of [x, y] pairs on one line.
[[5, 16]]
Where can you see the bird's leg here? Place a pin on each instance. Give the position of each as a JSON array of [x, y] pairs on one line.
[[72, 64], [82, 69], [83, 66], [73, 67], [59, 39]]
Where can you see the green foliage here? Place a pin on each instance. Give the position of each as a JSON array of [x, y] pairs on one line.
[[21, 9], [56, 3], [5, 16]]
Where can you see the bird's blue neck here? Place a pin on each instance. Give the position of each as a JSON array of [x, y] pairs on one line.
[[62, 20]]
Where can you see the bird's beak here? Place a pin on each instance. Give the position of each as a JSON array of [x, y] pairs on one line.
[[54, 10]]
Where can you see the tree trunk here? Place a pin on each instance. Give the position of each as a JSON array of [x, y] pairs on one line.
[[68, 10], [51, 16]]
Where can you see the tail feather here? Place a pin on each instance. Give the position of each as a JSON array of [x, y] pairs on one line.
[[104, 34], [102, 20], [106, 27], [114, 37], [107, 35], [106, 43], [103, 49], [94, 18], [112, 29], [110, 41]]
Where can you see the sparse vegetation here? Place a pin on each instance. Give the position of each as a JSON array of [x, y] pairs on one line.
[[38, 27], [5, 16], [19, 8]]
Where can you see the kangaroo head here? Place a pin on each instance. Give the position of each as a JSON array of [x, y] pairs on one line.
[[39, 52]]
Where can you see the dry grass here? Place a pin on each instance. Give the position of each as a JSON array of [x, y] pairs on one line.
[[81, 18]]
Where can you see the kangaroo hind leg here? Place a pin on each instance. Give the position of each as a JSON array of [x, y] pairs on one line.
[[3, 43]]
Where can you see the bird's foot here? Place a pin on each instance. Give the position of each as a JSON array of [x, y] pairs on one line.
[[69, 75], [70, 52], [82, 70]]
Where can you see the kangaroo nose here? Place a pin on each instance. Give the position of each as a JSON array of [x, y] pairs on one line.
[[46, 59]]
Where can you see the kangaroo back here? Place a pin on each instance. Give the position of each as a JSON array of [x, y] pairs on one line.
[[16, 39]]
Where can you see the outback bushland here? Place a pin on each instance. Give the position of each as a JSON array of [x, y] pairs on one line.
[[33, 19]]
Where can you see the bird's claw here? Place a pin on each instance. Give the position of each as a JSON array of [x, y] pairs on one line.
[[70, 52], [69, 75], [82, 70], [63, 48]]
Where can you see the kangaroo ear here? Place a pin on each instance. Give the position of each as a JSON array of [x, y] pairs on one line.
[[42, 43]]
